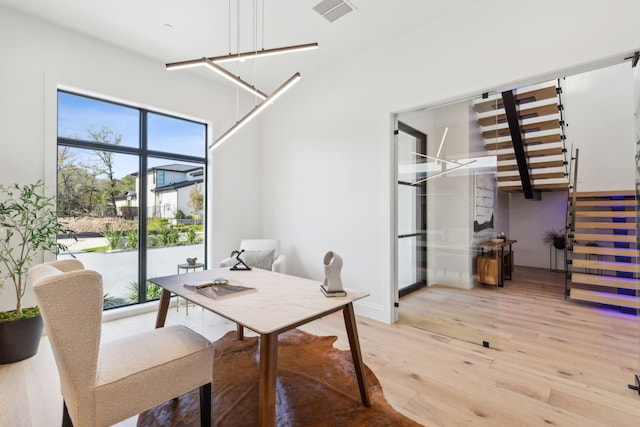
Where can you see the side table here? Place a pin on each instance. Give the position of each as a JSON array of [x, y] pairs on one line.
[[186, 267]]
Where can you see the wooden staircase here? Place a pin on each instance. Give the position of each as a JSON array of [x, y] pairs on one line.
[[540, 114], [603, 251]]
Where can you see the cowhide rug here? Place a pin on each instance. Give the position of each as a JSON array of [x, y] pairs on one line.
[[316, 386]]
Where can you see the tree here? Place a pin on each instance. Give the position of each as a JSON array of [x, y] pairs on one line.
[[196, 201], [106, 164], [76, 185]]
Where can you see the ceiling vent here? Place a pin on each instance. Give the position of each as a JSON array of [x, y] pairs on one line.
[[333, 9]]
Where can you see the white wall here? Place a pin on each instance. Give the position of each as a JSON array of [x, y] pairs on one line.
[[528, 221], [328, 180], [37, 56], [599, 114]]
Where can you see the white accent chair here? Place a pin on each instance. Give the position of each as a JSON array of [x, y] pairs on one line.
[[105, 383], [259, 247]]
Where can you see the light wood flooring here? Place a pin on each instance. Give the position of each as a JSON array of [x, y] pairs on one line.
[[552, 362]]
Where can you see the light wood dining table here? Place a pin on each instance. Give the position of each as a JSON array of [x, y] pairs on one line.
[[281, 302]]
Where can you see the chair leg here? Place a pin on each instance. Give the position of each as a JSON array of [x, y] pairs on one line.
[[66, 419], [205, 405]]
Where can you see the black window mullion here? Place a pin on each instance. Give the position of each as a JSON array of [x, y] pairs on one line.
[[142, 214]]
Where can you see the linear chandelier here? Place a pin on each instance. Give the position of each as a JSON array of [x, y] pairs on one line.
[[220, 71], [256, 110], [243, 55], [211, 63], [437, 159]]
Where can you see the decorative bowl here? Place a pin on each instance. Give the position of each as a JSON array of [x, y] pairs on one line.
[[497, 240]]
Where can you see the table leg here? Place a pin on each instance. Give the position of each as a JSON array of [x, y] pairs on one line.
[[163, 308], [240, 331], [356, 354], [267, 385]]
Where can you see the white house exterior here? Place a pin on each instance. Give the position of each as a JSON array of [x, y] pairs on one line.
[[168, 191]]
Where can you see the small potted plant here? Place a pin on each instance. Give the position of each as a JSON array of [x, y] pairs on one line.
[[28, 225], [557, 238]]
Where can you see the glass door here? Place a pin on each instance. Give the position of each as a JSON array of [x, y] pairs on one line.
[[411, 212], [442, 169]]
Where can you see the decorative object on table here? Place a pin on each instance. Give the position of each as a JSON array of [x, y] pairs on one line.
[[325, 374], [501, 236], [240, 265], [218, 289], [557, 238], [332, 285], [28, 225], [192, 261]]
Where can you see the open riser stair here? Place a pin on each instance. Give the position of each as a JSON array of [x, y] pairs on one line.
[[540, 115], [604, 257]]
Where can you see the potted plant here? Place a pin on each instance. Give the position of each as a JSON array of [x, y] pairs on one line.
[[28, 225], [557, 238]]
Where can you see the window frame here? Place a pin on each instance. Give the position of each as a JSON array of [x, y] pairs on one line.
[[143, 154]]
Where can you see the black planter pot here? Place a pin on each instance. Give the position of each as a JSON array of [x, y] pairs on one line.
[[559, 242], [19, 339]]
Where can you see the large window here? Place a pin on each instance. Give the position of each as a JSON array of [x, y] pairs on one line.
[[132, 185]]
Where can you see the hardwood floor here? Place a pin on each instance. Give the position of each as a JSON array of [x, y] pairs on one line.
[[555, 363]]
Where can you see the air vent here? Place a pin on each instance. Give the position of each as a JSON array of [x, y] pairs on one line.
[[333, 9]]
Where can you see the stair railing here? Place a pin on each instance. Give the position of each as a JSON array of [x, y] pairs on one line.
[[570, 220]]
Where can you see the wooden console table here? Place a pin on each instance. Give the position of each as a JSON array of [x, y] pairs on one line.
[[496, 265]]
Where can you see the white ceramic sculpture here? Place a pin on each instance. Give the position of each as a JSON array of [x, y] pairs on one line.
[[332, 268]]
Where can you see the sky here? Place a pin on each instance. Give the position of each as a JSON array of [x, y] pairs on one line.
[[78, 115]]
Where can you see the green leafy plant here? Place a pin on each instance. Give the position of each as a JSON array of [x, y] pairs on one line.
[[191, 235], [555, 237], [167, 236], [108, 300], [28, 225], [132, 239], [153, 292], [114, 238]]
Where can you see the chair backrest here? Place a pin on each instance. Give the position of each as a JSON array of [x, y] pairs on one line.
[[261, 245], [70, 301]]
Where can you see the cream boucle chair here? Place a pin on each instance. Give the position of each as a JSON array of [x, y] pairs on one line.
[[106, 383], [260, 253]]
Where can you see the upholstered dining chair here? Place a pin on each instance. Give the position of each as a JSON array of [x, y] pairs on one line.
[[259, 253], [105, 383]]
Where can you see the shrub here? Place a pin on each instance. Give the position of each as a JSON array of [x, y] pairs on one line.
[[153, 292], [115, 238]]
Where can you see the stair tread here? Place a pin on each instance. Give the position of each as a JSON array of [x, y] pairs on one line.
[[599, 280], [599, 250], [537, 165], [605, 214], [533, 153], [529, 127], [606, 225], [534, 176], [604, 298], [605, 237], [523, 113], [522, 97], [542, 187], [594, 194], [628, 267], [606, 203], [527, 140]]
